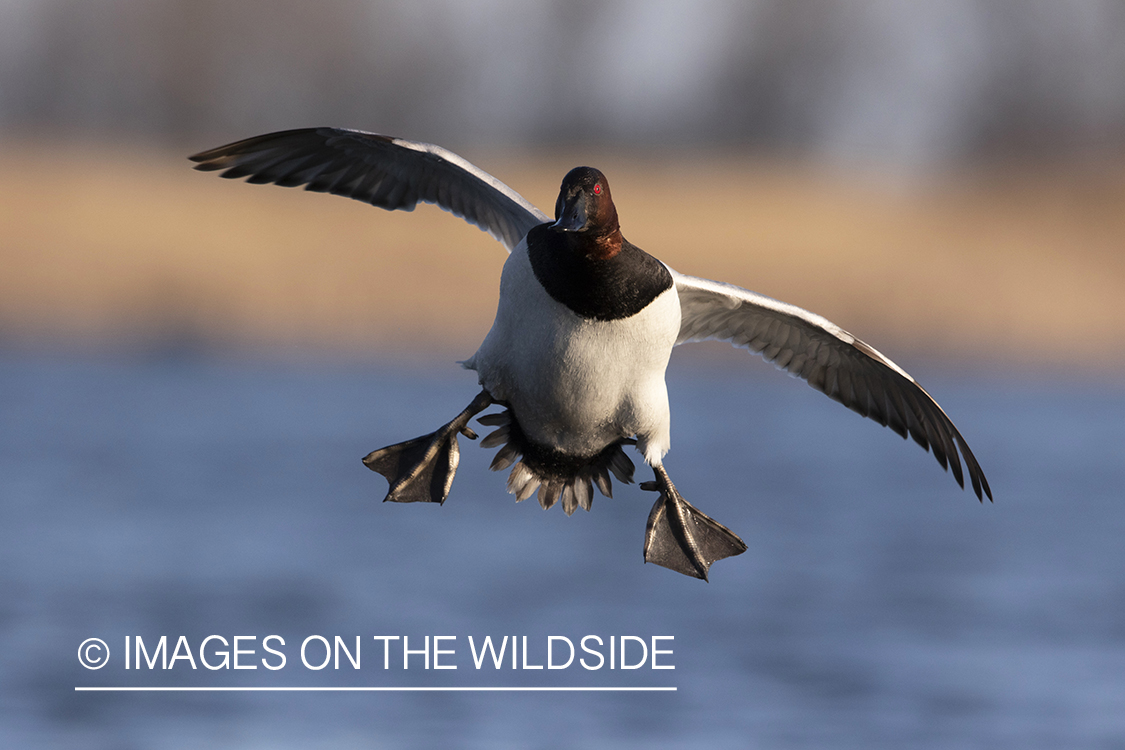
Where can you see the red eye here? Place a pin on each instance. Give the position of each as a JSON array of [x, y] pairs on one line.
[[597, 189]]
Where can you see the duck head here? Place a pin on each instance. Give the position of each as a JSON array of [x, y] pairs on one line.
[[585, 211]]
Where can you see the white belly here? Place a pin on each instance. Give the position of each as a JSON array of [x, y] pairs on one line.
[[573, 384]]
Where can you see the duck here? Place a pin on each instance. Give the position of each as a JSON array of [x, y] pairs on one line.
[[585, 325]]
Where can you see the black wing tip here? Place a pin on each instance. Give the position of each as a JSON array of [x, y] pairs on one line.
[[206, 160], [979, 483], [976, 476], [948, 443], [246, 145], [973, 469], [947, 449], [980, 486]]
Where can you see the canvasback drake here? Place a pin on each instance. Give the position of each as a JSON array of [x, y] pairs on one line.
[[584, 328]]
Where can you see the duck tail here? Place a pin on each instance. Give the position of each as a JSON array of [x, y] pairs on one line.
[[555, 476]]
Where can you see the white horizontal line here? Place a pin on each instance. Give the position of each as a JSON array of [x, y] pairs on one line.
[[505, 689]]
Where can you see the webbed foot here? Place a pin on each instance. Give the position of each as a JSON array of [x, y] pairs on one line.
[[682, 538], [422, 469]]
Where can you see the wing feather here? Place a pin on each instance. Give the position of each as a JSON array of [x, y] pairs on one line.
[[390, 173], [831, 360]]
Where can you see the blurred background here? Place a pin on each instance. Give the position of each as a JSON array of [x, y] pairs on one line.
[[190, 368], [925, 173]]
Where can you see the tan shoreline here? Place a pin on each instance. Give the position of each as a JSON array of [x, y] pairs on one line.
[[1018, 264]]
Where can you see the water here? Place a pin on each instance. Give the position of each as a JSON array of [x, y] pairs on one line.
[[877, 605]]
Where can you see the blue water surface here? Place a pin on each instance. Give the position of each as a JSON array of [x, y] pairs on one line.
[[878, 606]]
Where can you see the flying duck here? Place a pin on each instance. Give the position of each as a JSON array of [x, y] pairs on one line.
[[584, 328]]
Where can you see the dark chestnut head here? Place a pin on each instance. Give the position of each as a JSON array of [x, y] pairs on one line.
[[585, 206]]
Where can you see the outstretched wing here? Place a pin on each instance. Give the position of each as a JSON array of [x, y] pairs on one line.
[[832, 360], [387, 172]]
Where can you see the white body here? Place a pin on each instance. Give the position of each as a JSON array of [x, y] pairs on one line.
[[573, 384]]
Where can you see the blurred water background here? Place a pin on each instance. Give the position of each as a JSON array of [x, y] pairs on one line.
[[190, 371], [877, 605]]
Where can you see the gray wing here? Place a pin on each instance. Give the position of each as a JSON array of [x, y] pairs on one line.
[[830, 359], [387, 172]]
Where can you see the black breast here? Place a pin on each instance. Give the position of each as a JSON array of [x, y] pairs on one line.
[[598, 289]]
